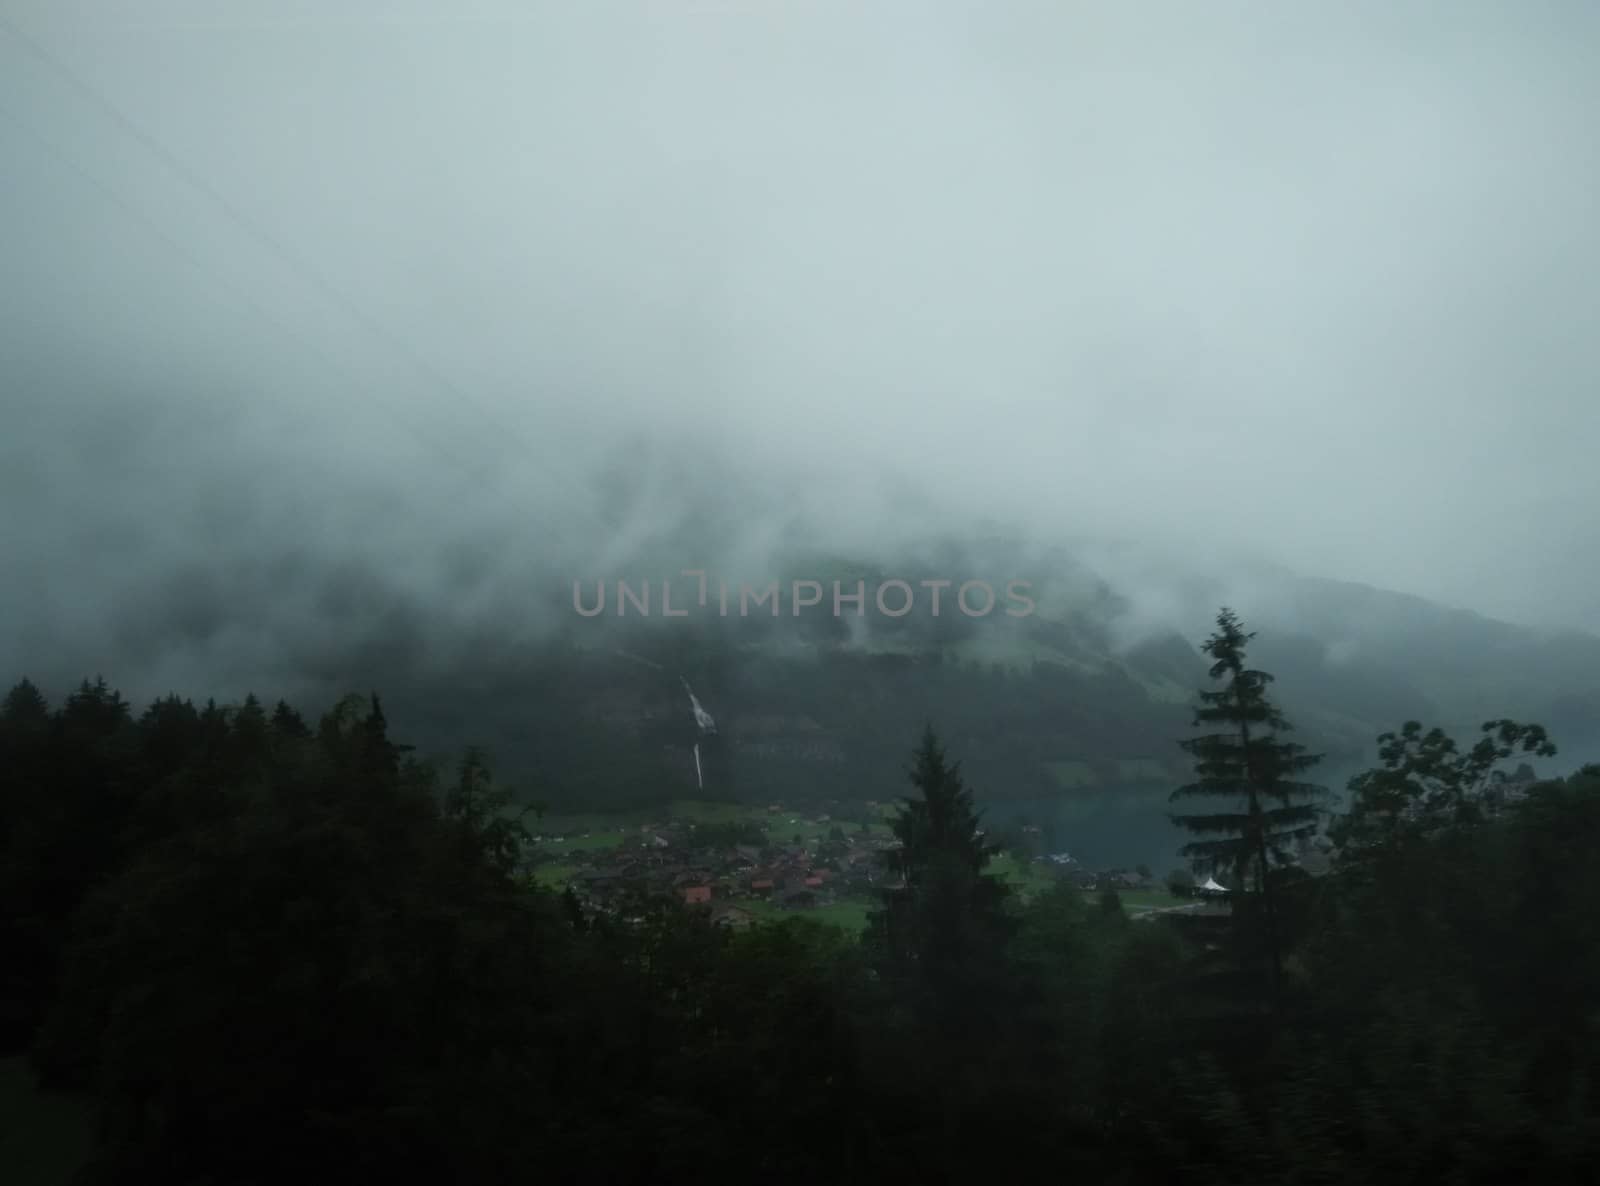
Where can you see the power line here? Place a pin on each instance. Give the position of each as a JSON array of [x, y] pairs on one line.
[[269, 242], [203, 267]]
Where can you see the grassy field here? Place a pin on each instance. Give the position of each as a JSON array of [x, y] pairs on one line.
[[559, 844], [1134, 901], [1023, 877], [555, 875], [43, 1138], [848, 914], [781, 826]]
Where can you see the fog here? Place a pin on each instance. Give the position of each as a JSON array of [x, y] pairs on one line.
[[445, 302]]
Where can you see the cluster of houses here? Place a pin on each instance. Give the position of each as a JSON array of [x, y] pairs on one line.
[[736, 883], [733, 882], [1067, 868]]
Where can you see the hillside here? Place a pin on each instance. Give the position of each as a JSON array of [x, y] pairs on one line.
[[1060, 717]]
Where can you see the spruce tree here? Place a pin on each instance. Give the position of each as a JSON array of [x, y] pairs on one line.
[[941, 945], [1244, 767], [25, 707], [944, 900], [286, 722], [489, 831]]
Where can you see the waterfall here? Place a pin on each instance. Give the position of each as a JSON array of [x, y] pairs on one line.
[[702, 718]]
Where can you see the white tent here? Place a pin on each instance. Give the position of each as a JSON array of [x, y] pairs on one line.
[[1211, 887]]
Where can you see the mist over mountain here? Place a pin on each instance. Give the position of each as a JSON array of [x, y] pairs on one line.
[[271, 562], [320, 378], [464, 615]]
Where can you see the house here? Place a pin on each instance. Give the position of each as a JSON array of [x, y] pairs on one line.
[[697, 895]]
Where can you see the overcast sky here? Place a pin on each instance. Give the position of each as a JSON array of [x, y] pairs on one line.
[[1319, 280]]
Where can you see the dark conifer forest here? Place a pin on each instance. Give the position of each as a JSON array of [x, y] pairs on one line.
[[254, 947]]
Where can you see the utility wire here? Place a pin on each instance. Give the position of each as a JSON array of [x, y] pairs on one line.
[[419, 430], [264, 238]]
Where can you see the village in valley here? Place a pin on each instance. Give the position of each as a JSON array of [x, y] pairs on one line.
[[744, 864]]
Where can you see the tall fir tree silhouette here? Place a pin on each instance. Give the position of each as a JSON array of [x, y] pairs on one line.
[[1249, 776]]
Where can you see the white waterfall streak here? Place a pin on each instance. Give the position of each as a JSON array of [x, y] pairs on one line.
[[702, 718]]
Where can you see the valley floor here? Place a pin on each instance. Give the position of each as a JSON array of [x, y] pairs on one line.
[[778, 863]]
